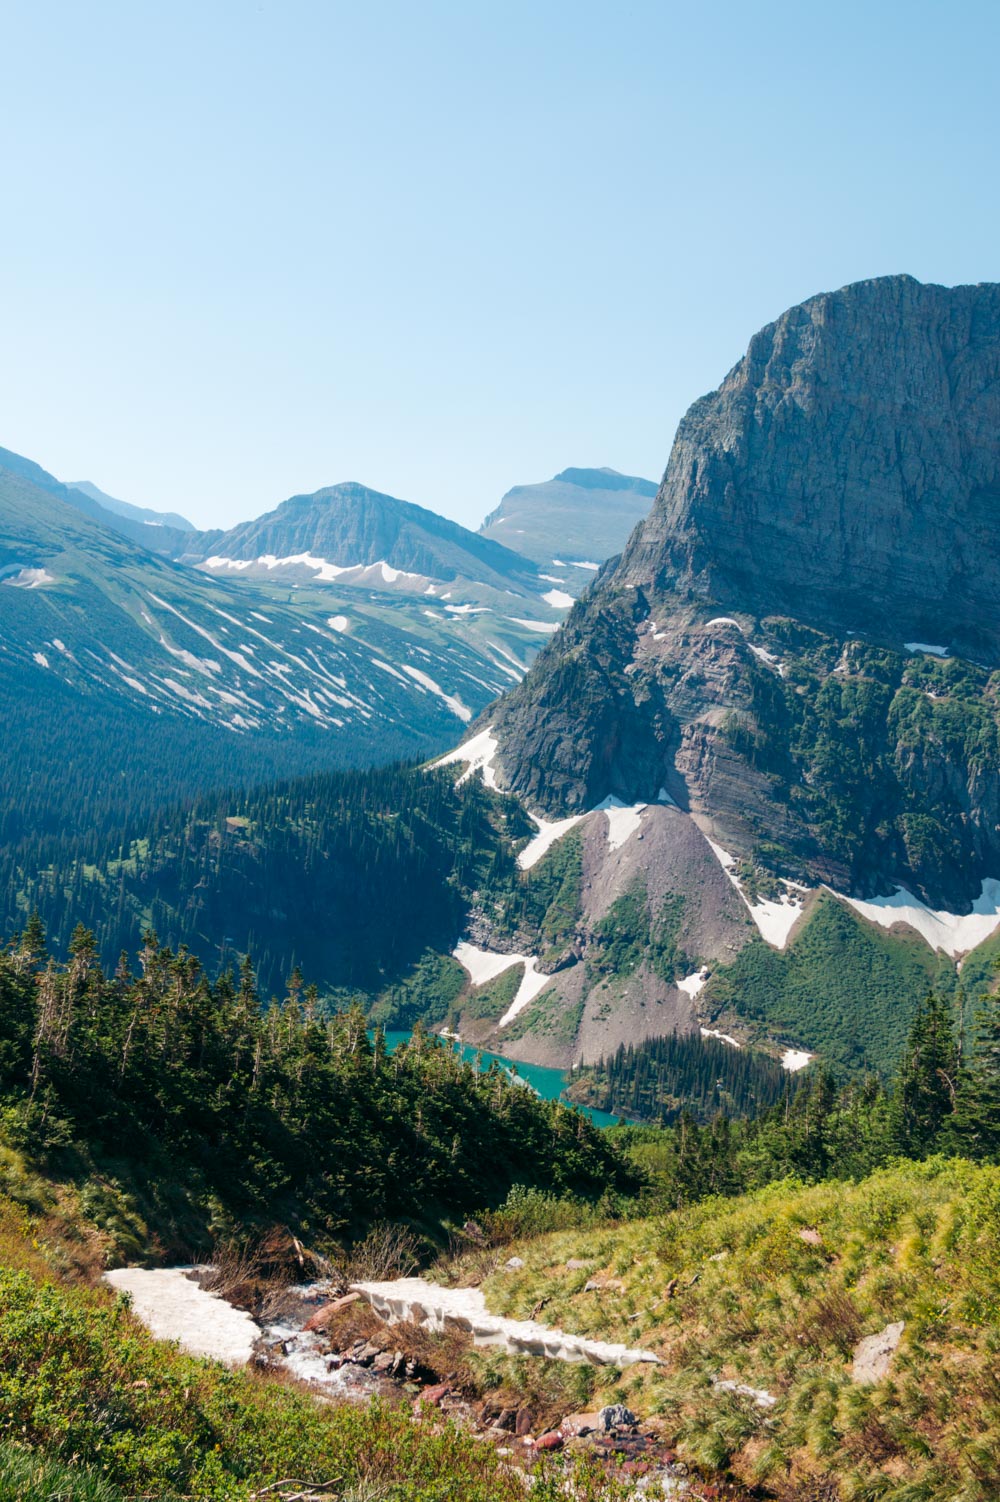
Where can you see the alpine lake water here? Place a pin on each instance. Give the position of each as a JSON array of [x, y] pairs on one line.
[[549, 1084]]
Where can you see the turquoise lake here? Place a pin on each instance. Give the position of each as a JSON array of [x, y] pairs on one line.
[[548, 1083]]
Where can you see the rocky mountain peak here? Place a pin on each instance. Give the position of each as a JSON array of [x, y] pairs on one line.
[[846, 471], [797, 642]]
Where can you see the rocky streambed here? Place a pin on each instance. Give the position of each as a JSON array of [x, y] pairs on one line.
[[308, 1332]]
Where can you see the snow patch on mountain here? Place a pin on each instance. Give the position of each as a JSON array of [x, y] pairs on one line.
[[953, 933], [549, 830], [29, 578], [774, 919], [624, 820], [692, 984], [482, 965], [713, 1032], [794, 1059], [558, 599], [426, 681], [478, 754], [545, 627]]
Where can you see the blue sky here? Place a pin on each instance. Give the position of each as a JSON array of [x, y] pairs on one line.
[[250, 249]]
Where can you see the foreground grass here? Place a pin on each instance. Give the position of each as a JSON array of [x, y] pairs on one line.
[[774, 1290]]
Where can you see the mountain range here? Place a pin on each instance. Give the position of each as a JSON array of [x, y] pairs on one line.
[[749, 785]]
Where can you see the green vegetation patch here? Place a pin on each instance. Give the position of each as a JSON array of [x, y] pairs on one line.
[[843, 988]]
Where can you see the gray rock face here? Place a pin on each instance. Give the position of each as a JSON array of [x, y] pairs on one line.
[[847, 471], [832, 505]]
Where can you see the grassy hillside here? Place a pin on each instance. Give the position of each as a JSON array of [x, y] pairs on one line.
[[773, 1291]]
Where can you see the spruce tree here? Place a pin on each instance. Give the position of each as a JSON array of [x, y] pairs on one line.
[[927, 1082]]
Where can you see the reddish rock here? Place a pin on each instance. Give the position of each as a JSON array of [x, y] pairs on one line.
[[325, 1312], [431, 1397], [524, 1422], [551, 1441]]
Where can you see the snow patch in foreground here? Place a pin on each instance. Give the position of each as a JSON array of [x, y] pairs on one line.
[[926, 646], [953, 933], [417, 1301], [692, 984], [795, 1058], [478, 754], [173, 1307]]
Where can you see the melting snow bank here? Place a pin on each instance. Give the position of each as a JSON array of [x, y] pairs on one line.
[[483, 965], [423, 1303], [549, 830], [173, 1307], [953, 933], [794, 1059]]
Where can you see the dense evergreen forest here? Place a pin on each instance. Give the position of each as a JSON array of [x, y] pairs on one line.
[[943, 1098], [350, 875], [661, 1078], [188, 1110]]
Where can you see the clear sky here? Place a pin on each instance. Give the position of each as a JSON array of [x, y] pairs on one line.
[[250, 249]]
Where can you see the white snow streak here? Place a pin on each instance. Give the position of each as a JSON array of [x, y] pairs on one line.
[[545, 627], [713, 1032], [478, 754], [549, 830], [558, 599], [953, 933], [453, 702], [623, 820], [483, 966]]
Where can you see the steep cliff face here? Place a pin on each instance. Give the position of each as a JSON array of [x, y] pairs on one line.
[[799, 642], [847, 471]]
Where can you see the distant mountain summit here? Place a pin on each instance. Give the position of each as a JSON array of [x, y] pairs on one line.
[[349, 528], [579, 517], [847, 471], [126, 509]]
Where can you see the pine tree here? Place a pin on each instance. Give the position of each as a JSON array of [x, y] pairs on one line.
[[976, 1126], [927, 1082]]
